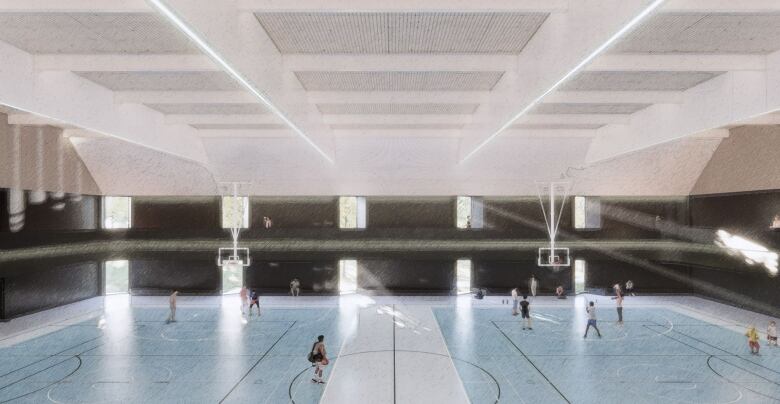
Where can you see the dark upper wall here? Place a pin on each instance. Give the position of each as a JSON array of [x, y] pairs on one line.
[[68, 214], [176, 213], [292, 212], [501, 276], [187, 273], [422, 212], [746, 214], [621, 218]]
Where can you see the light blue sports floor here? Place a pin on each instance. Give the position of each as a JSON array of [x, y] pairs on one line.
[[658, 356]]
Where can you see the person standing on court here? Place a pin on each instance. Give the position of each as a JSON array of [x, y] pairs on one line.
[[591, 310], [532, 284], [514, 301], [172, 304], [319, 357], [254, 300], [619, 306], [525, 310], [243, 295]]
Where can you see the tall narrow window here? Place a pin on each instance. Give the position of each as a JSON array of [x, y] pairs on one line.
[[579, 276], [232, 276], [117, 277], [235, 212], [469, 212], [352, 212], [117, 212], [347, 276], [587, 212], [463, 275]]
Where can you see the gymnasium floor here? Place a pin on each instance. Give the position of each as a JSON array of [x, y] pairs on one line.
[[390, 350]]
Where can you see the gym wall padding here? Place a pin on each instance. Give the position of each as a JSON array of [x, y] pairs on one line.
[[319, 277], [383, 276], [46, 284]]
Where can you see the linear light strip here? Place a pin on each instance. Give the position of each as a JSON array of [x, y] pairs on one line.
[[205, 47], [634, 21]]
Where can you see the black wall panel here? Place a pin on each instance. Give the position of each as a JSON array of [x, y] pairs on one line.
[[501, 276], [745, 214], [45, 285], [399, 276], [188, 274], [422, 212], [291, 213], [317, 277], [4, 211], [170, 213], [752, 290], [655, 278], [519, 217]]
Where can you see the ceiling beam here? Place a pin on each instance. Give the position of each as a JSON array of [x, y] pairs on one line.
[[245, 133], [72, 100], [620, 97], [33, 120], [402, 62], [125, 63], [727, 99], [396, 119], [183, 97], [720, 6], [405, 5], [399, 133], [654, 62], [74, 6], [563, 44], [222, 119], [397, 97], [574, 119]]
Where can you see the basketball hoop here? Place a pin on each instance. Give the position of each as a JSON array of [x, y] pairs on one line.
[[547, 192], [235, 216]]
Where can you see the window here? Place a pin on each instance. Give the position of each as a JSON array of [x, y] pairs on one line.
[[463, 275], [117, 275], [235, 212], [587, 212], [347, 276], [469, 212], [117, 212], [232, 277], [579, 276], [352, 212]]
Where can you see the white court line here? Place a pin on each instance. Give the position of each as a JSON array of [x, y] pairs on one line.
[[449, 354]]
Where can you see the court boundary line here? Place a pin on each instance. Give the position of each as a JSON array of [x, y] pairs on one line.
[[530, 361], [258, 362]]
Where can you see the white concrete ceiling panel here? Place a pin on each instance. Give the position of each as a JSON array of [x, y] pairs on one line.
[[92, 33], [637, 81], [397, 109], [396, 33], [120, 168], [742, 33], [398, 81], [572, 126], [162, 81], [196, 109], [591, 108]]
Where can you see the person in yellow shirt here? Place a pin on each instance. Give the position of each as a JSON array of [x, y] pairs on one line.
[[752, 335]]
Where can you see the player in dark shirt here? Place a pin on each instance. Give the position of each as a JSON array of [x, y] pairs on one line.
[[526, 312]]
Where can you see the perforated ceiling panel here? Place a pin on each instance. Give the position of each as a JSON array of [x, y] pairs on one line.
[[399, 81], [596, 108], [210, 109], [705, 33], [76, 33], [397, 108], [162, 81], [413, 32], [637, 81], [397, 126]]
